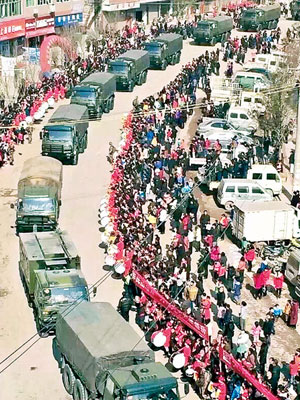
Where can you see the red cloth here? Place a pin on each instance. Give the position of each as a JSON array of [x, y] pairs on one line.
[[278, 281], [294, 313], [250, 255], [258, 281], [266, 276]]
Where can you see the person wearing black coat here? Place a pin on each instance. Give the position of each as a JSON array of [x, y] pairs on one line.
[[124, 306], [263, 353]]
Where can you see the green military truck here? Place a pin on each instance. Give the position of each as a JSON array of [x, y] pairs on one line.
[[130, 69], [110, 361], [66, 134], [295, 9], [256, 19], [39, 195], [164, 50], [49, 268], [96, 92], [211, 31]]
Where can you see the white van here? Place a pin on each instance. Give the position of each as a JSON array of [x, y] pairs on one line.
[[272, 62], [253, 101], [251, 81], [267, 176], [232, 190], [241, 118]]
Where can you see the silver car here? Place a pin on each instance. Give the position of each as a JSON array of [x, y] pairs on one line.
[[220, 125]]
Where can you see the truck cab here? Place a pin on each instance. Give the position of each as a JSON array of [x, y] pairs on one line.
[[89, 96], [53, 291], [295, 9], [157, 53], [142, 381], [125, 73]]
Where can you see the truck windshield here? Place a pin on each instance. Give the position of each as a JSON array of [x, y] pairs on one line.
[[65, 295], [170, 395], [36, 204], [203, 27], [118, 68], [250, 14], [87, 94], [153, 48], [63, 136]]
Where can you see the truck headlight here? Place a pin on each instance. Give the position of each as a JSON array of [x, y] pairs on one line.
[[52, 217], [45, 312]]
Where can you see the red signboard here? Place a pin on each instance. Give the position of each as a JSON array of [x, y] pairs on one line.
[[12, 29], [39, 26]]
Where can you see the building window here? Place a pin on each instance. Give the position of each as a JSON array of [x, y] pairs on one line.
[[30, 3], [42, 2], [9, 8], [61, 1]]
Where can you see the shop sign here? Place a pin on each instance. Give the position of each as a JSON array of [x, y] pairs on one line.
[[12, 29], [67, 20], [39, 26]]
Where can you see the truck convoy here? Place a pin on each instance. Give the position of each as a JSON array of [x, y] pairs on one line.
[[213, 30], [130, 69], [256, 19], [96, 92], [295, 9], [110, 361], [66, 134], [164, 50], [49, 268], [39, 195]]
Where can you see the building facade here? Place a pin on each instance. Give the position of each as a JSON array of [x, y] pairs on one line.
[[24, 23]]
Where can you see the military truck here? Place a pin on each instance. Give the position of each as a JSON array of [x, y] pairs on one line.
[[211, 31], [39, 195], [49, 268], [256, 19], [130, 69], [164, 50], [96, 92], [66, 134], [110, 361], [295, 9]]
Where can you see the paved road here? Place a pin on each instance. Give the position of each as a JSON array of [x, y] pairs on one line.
[[36, 375]]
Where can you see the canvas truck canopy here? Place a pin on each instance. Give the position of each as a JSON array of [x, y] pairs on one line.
[[69, 113], [42, 167], [102, 338]]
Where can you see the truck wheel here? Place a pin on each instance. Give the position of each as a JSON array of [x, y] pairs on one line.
[[79, 392], [259, 28], [74, 159], [275, 23], [145, 73], [68, 379], [164, 65], [228, 205], [112, 103], [213, 41], [107, 107], [270, 24]]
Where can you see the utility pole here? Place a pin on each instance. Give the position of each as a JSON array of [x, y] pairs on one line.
[[296, 181]]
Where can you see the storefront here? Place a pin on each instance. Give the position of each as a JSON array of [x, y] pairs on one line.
[[37, 28], [67, 21], [12, 34]]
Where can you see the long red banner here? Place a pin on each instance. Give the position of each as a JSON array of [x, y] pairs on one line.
[[201, 330]]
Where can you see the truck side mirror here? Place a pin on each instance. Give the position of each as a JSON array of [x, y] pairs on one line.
[[186, 388], [12, 205], [94, 291]]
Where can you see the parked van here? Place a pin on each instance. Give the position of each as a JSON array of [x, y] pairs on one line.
[[253, 101], [251, 81], [267, 176], [292, 272], [260, 68], [241, 118], [232, 190], [272, 62]]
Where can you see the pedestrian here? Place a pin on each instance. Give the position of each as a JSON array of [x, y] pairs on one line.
[[293, 317], [125, 305], [287, 311], [263, 353], [275, 370], [278, 283], [250, 257], [236, 290], [242, 344], [243, 315], [256, 331]]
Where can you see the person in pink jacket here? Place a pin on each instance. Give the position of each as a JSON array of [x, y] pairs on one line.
[[256, 332]]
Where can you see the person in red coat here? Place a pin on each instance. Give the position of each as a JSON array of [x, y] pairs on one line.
[[249, 257], [258, 285], [278, 283], [294, 314]]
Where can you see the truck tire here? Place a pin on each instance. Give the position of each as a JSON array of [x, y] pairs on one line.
[[79, 392], [178, 57], [164, 65], [74, 159], [112, 102], [213, 41], [173, 60], [275, 23], [68, 379], [86, 140], [107, 106], [144, 74], [270, 25], [259, 28]]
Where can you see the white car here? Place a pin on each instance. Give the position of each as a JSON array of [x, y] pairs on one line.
[[221, 126], [225, 138]]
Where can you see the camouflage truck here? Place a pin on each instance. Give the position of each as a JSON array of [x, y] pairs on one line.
[[211, 31], [39, 195], [130, 69], [66, 134], [164, 50], [256, 19], [295, 9], [49, 268], [96, 92], [110, 361]]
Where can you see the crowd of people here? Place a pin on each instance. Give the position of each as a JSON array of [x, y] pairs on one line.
[[150, 187]]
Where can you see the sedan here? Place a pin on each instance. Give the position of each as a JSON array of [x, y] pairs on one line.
[[219, 125], [225, 138]]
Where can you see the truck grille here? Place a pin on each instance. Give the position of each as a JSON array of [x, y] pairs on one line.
[[56, 148], [36, 220]]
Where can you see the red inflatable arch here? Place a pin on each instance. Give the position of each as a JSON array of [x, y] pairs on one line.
[[50, 41]]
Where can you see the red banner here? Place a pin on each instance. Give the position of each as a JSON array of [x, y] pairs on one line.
[[12, 29], [198, 327]]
